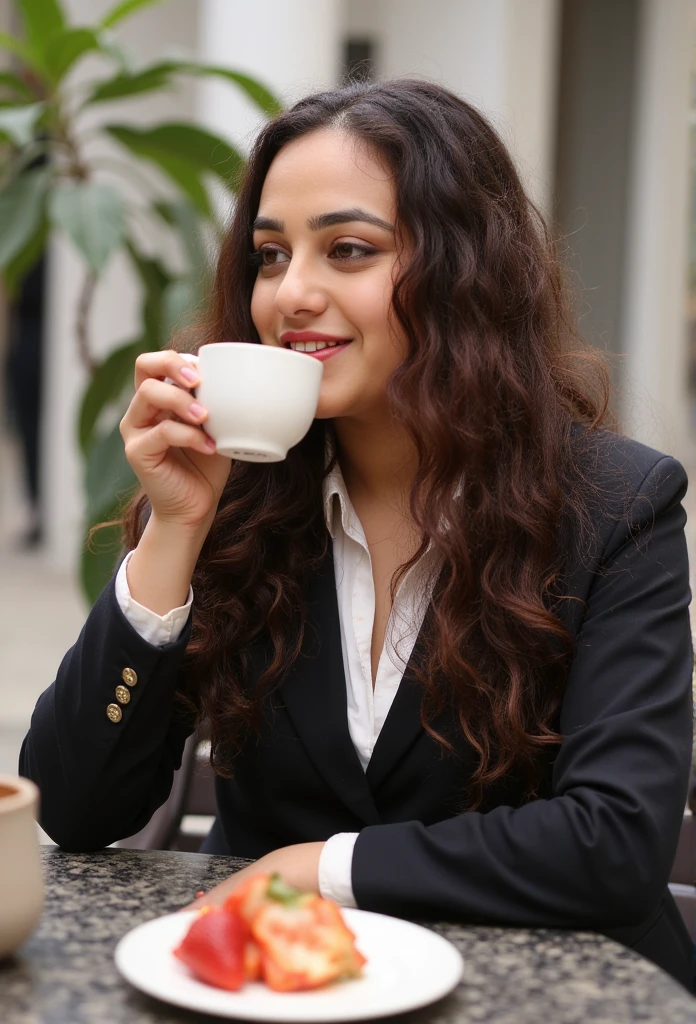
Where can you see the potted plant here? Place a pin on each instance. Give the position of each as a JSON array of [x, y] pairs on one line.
[[50, 182]]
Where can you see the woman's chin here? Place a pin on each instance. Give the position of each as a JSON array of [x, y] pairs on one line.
[[330, 407]]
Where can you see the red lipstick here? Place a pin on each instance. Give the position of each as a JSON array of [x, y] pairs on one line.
[[289, 336], [336, 344]]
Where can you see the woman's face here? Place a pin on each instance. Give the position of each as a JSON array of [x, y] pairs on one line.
[[325, 239]]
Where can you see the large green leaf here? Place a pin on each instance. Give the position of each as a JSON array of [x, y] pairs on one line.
[[101, 552], [156, 76], [109, 381], [64, 48], [185, 220], [183, 172], [109, 481], [14, 84], [183, 297], [154, 279], [146, 78], [19, 266], [186, 142], [151, 271], [21, 208], [124, 84], [42, 19], [93, 216], [108, 475], [181, 304], [20, 49], [122, 56], [100, 555], [17, 124], [187, 177], [124, 10], [258, 93]]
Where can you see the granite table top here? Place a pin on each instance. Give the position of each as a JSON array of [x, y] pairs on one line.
[[65, 973]]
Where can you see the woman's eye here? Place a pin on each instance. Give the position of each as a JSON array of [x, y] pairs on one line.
[[271, 257], [267, 258], [351, 251]]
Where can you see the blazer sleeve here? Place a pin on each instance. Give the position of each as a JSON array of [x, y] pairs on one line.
[[599, 850], [101, 780]]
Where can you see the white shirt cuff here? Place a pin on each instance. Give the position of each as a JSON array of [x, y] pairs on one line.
[[335, 869], [157, 630]]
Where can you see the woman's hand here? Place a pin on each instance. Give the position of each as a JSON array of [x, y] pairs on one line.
[[172, 457], [297, 865]]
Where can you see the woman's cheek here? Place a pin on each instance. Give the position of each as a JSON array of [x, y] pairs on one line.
[[262, 308], [370, 315], [254, 308]]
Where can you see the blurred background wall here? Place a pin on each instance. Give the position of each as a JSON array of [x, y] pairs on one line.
[[597, 102]]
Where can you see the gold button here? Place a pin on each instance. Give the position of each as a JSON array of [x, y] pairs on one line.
[[122, 694], [114, 713], [129, 677]]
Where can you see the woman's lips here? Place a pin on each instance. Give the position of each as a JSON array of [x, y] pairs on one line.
[[326, 353]]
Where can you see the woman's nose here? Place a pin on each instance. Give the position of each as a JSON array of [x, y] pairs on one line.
[[300, 290]]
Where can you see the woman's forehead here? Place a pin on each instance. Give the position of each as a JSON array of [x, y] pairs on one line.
[[326, 167]]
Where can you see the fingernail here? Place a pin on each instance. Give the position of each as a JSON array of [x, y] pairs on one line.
[[196, 410], [190, 375], [210, 444]]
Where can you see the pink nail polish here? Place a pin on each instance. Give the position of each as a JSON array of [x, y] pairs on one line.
[[190, 375], [196, 410]]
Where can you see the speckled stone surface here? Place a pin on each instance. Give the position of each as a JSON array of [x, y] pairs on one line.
[[65, 974]]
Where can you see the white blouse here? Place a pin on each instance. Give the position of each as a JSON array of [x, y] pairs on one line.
[[367, 706]]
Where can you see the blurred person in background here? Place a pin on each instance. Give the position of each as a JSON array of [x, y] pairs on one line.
[[24, 377], [23, 387], [443, 648]]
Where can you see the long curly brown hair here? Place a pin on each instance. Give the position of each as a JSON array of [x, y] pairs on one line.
[[491, 391]]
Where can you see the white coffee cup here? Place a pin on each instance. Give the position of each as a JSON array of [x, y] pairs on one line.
[[261, 399], [21, 878]]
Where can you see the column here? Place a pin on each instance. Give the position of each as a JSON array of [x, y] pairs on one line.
[[293, 46], [654, 400], [499, 55]]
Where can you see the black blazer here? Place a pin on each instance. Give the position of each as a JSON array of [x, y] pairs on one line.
[[593, 852]]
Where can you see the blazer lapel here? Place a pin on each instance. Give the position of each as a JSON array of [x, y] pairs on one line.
[[402, 726], [314, 694]]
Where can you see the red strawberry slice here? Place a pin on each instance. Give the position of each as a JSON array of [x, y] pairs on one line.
[[214, 948], [248, 898]]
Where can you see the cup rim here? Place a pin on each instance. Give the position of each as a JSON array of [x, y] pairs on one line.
[[289, 352], [26, 793]]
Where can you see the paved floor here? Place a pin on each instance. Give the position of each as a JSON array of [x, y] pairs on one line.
[[41, 615]]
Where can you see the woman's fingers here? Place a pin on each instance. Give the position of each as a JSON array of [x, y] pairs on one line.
[[165, 444], [152, 398], [166, 363], [147, 448], [216, 896]]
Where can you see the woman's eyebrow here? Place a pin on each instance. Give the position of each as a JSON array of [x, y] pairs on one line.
[[326, 220], [329, 220]]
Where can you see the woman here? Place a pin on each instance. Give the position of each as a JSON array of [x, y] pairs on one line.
[[456, 515]]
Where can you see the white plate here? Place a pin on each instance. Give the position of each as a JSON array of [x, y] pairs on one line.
[[407, 967]]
